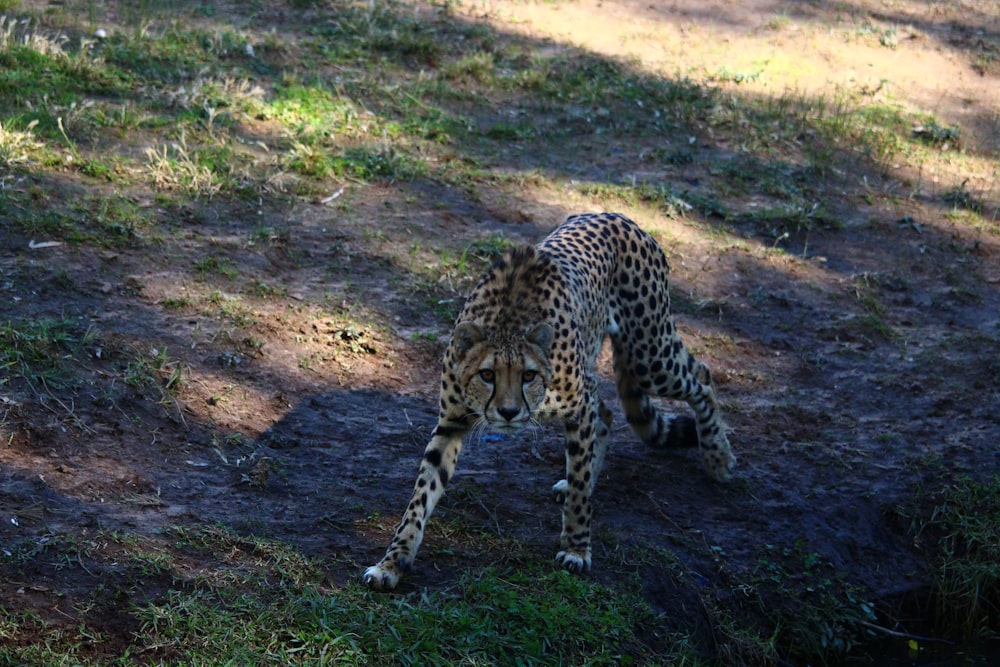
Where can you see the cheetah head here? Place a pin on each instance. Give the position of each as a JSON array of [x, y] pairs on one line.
[[502, 375]]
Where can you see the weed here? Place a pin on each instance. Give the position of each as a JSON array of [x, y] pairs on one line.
[[777, 22], [16, 146], [362, 163], [154, 371], [865, 286], [478, 67], [931, 132], [827, 618], [251, 554], [490, 247], [116, 220], [314, 113], [148, 558], [176, 168], [262, 289], [961, 198], [39, 350], [177, 302], [725, 75], [964, 526], [221, 266], [238, 313], [783, 221]]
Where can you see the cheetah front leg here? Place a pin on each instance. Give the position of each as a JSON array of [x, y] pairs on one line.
[[436, 468], [597, 459], [577, 510]]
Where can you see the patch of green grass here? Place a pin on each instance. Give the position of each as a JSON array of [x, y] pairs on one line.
[[782, 221], [177, 168], [154, 371], [219, 266], [815, 615], [107, 220], [169, 57], [40, 350], [263, 289], [931, 132], [965, 528], [247, 556], [177, 302], [489, 248], [113, 220], [263, 602], [315, 111], [670, 202], [148, 558], [494, 617], [41, 83], [365, 163]]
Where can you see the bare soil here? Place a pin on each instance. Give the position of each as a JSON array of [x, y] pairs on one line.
[[857, 368]]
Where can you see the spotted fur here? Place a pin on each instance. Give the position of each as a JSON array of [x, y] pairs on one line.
[[525, 347]]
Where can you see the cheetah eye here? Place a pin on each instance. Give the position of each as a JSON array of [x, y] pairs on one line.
[[487, 375], [528, 376]]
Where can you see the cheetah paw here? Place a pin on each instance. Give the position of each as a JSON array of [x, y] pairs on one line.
[[381, 577], [574, 562], [719, 464]]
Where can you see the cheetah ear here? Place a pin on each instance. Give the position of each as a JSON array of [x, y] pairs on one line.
[[541, 335], [466, 335]]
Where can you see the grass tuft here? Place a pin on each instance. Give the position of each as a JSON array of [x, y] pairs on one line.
[[38, 351], [966, 523]]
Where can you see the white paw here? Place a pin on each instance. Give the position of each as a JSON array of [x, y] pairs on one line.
[[574, 562], [379, 578], [559, 491]]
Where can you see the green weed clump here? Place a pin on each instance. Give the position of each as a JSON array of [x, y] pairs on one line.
[[966, 521], [37, 351]]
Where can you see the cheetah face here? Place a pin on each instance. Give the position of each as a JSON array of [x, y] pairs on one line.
[[503, 378]]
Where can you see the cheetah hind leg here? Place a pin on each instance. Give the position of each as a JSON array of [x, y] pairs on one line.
[[652, 427], [597, 462]]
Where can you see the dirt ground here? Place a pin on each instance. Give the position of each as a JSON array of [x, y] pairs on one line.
[[857, 368]]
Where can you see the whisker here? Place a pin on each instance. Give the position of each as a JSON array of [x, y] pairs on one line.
[[480, 428]]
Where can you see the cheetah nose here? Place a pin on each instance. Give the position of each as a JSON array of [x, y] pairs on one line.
[[509, 413]]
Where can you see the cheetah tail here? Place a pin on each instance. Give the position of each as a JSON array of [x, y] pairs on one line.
[[681, 431]]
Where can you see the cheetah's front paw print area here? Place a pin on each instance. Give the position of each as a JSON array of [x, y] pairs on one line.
[[381, 577], [572, 561]]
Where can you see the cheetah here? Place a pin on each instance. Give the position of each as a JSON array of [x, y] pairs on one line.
[[525, 348]]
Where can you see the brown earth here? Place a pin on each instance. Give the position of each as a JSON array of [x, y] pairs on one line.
[[857, 367]]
